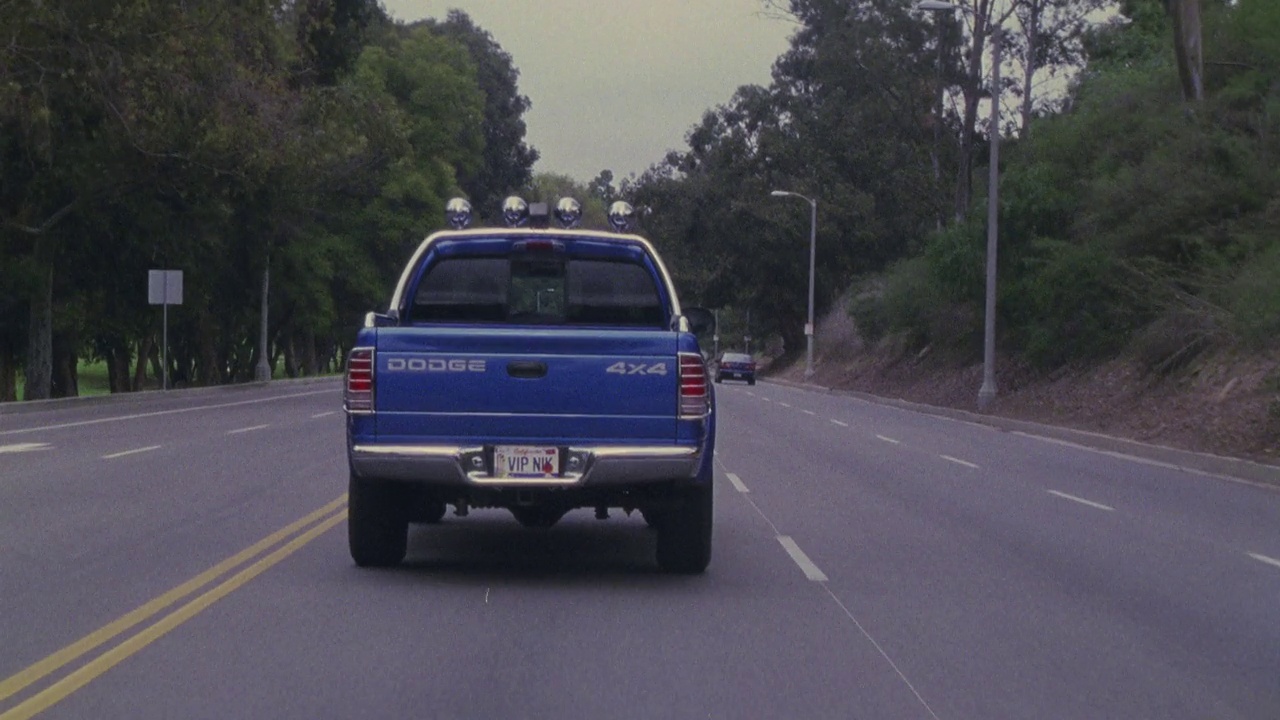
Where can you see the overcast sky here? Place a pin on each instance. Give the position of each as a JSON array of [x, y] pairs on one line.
[[617, 83]]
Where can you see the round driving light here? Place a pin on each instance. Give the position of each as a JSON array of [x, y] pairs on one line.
[[457, 212], [515, 211], [568, 212], [621, 214], [477, 462]]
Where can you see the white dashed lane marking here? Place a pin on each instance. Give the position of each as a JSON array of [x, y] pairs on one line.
[[958, 461], [1265, 559], [841, 424], [323, 414], [248, 429], [888, 439], [810, 570], [1081, 500], [113, 456], [24, 447], [737, 483], [786, 405], [809, 412]]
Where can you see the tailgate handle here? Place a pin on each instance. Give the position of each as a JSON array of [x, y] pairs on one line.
[[526, 369]]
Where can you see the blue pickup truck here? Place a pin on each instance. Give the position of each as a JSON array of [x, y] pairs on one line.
[[537, 369]]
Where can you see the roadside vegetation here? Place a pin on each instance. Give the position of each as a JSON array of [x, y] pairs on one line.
[[1140, 196], [1139, 191], [317, 140]]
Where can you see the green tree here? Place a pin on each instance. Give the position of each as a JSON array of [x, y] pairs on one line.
[[507, 161]]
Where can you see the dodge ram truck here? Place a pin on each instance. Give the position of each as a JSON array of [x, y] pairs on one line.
[[537, 369]]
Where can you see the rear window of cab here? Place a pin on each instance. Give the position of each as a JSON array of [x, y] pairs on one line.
[[538, 289]]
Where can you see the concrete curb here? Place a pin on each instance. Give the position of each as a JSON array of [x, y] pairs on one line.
[[1202, 463], [146, 396]]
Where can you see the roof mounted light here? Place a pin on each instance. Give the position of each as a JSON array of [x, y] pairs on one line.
[[568, 212], [621, 214], [515, 211], [458, 213]]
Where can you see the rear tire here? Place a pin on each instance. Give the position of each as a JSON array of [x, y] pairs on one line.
[[652, 518], [377, 524], [433, 513], [751, 381], [684, 532], [535, 516]]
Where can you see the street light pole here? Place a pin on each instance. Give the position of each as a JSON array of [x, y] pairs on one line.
[[987, 392], [937, 126], [262, 372], [813, 252]]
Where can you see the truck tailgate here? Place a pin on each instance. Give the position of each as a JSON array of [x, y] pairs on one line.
[[526, 384]]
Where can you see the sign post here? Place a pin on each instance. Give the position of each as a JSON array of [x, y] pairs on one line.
[[164, 287], [716, 337]]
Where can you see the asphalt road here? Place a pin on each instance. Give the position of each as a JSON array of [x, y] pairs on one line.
[[185, 557]]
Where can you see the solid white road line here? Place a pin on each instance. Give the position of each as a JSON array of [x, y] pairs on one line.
[[113, 456], [888, 439], [737, 483], [1149, 461], [324, 414], [1082, 501], [248, 429], [958, 461], [24, 447], [841, 424], [810, 570], [1265, 559], [136, 416]]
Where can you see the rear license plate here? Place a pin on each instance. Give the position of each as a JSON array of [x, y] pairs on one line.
[[522, 461]]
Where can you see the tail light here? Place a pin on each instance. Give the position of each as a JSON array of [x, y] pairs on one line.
[[358, 397], [695, 399]]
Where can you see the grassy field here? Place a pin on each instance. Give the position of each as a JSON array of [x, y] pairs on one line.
[[91, 377]]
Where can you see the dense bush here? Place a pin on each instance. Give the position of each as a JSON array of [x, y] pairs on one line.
[[1132, 219]]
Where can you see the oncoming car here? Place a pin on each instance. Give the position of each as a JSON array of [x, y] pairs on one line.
[[736, 366]]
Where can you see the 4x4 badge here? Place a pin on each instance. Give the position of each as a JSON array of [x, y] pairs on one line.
[[626, 368]]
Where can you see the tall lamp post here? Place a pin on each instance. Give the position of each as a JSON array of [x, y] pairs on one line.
[[813, 235], [987, 392], [262, 372]]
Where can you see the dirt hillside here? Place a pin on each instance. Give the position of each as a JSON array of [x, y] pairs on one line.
[[1224, 404]]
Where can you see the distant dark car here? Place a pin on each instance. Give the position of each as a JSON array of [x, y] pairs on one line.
[[736, 366]]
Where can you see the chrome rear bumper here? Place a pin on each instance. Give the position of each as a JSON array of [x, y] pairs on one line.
[[582, 466]]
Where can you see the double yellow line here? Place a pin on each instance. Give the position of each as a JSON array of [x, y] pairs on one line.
[[321, 521]]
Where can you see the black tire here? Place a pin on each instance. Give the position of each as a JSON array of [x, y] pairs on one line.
[[537, 516], [751, 381], [717, 378], [684, 535], [653, 518], [433, 513], [377, 524]]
